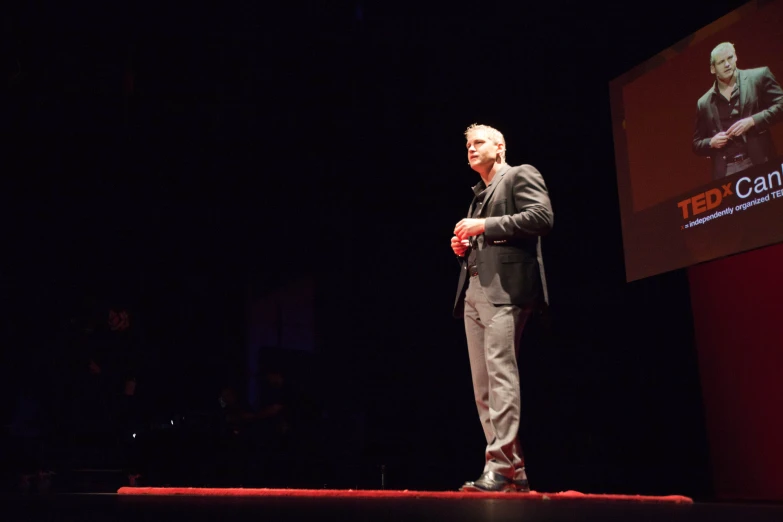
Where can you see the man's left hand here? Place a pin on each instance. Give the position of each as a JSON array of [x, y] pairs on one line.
[[740, 127], [469, 227]]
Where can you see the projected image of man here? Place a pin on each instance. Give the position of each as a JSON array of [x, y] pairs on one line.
[[734, 116]]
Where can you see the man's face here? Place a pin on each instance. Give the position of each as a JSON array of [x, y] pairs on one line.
[[481, 150], [725, 64]]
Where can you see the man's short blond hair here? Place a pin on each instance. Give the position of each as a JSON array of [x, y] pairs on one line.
[[719, 49], [492, 133]]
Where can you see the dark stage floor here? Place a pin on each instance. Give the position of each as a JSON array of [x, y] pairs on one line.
[[111, 507]]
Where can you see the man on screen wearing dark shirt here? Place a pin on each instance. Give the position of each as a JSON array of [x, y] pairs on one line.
[[734, 116]]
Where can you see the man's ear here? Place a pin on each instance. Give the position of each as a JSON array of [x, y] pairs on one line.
[[501, 149]]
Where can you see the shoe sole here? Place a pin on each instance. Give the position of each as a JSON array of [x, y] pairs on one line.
[[476, 489]]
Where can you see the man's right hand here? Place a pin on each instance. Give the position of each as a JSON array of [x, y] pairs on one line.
[[719, 140], [459, 247]]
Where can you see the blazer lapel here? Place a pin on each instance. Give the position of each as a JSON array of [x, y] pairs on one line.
[[744, 91], [714, 107], [492, 186], [472, 207], [716, 117]]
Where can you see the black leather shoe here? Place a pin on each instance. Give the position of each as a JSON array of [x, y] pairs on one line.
[[490, 482]]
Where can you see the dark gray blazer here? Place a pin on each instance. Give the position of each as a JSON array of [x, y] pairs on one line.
[[761, 98], [510, 266]]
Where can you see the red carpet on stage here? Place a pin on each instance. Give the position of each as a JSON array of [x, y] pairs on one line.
[[350, 493]]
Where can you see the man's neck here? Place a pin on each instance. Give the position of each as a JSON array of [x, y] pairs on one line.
[[729, 84], [488, 174]]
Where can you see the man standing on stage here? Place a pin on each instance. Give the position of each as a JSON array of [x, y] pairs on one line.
[[501, 283], [734, 116]]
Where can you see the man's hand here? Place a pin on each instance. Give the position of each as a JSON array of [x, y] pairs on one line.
[[469, 227], [719, 140], [459, 246], [741, 127]]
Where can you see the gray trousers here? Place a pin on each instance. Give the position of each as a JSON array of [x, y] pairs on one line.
[[493, 334]]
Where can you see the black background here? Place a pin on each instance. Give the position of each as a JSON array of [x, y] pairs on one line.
[[261, 143]]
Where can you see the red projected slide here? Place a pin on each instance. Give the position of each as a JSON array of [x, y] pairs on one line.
[[698, 133]]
